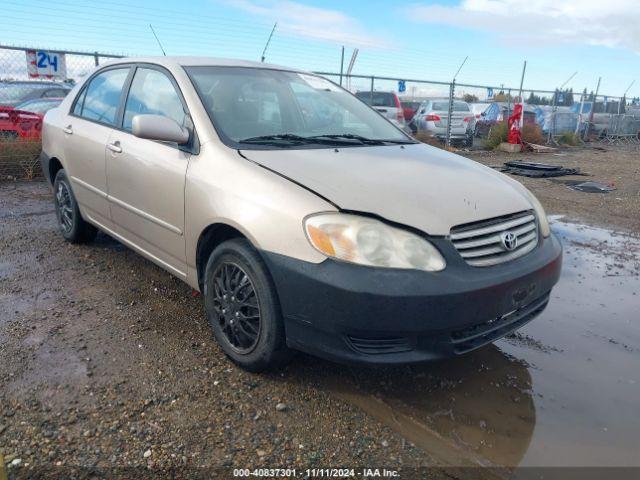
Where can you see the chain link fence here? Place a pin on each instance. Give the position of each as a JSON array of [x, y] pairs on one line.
[[32, 81]]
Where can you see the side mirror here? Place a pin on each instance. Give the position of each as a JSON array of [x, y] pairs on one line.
[[483, 114], [158, 127]]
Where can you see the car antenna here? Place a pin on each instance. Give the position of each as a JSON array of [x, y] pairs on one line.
[[264, 52], [157, 40]]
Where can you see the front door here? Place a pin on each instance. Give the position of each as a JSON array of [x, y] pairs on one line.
[[146, 178]]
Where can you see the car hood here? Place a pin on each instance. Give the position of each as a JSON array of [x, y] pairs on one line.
[[416, 185]]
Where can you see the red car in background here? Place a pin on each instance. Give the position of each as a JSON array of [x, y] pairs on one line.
[[25, 119], [409, 109]]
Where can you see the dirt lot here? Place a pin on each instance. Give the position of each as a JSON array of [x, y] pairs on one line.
[[617, 165], [108, 362]]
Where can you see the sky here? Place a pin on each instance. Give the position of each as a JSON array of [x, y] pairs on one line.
[[410, 40]]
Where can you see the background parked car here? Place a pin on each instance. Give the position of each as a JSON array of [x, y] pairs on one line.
[[387, 103], [529, 117], [25, 120], [14, 93], [491, 116], [432, 117], [409, 109], [499, 112], [479, 108]]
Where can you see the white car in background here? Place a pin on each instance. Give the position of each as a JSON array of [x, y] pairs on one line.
[[432, 118], [386, 103]]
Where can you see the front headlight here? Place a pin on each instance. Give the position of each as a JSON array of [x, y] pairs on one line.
[[366, 241], [545, 230]]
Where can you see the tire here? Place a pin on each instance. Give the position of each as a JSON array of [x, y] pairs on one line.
[[468, 142], [70, 222], [243, 308]]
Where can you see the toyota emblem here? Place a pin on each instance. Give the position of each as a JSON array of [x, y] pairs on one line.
[[509, 241]]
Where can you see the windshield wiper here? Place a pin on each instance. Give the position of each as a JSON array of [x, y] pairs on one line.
[[270, 138], [287, 139], [365, 140], [328, 139]]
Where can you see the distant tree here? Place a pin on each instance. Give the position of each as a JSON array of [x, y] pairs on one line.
[[537, 100], [470, 98], [563, 98]]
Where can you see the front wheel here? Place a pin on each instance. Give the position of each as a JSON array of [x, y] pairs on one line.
[[243, 308], [72, 226]]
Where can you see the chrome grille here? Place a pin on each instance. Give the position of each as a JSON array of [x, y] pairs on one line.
[[481, 245]]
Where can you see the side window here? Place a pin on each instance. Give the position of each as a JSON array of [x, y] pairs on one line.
[[102, 97], [77, 108], [152, 93]]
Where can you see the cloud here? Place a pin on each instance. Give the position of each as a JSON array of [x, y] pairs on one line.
[[610, 23], [312, 22]]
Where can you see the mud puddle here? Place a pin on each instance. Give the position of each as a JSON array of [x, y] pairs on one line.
[[563, 391]]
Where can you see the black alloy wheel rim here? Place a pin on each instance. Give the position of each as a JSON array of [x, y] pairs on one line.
[[235, 303], [65, 210]]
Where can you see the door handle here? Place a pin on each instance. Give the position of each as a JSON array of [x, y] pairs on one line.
[[68, 130], [114, 147]]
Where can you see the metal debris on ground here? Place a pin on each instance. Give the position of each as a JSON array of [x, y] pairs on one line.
[[537, 170], [539, 148], [593, 187]]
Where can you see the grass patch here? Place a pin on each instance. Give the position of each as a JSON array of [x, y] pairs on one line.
[[497, 135], [532, 134], [568, 139]]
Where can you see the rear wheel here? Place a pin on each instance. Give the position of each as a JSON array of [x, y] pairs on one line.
[[72, 226], [468, 142], [243, 308]]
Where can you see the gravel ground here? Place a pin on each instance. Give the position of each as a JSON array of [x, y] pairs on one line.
[[617, 165], [107, 362]]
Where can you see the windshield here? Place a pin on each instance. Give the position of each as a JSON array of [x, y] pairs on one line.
[[253, 107], [13, 93], [379, 99], [443, 106], [38, 106]]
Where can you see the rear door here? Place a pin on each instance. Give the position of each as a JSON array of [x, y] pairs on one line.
[[87, 129], [146, 178]]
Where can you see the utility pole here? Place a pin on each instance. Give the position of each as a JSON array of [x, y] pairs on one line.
[[341, 65], [593, 107], [352, 62], [624, 95], [524, 69], [452, 90], [264, 52]]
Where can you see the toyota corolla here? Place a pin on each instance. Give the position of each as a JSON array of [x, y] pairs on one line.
[[307, 220]]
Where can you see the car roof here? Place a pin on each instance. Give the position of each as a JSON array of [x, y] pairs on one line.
[[46, 83], [187, 61], [44, 99]]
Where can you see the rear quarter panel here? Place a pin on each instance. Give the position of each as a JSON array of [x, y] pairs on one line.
[[53, 138]]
